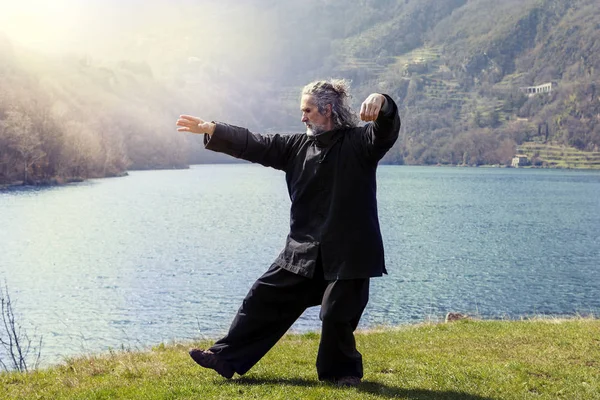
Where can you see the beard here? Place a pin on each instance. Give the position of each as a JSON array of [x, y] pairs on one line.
[[314, 129]]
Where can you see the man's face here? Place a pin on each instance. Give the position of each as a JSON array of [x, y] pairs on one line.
[[315, 121]]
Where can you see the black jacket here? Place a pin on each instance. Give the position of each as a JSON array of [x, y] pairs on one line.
[[331, 183]]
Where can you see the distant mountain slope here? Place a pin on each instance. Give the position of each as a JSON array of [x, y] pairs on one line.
[[455, 67], [459, 82]]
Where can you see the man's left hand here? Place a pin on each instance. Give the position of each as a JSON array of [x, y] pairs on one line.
[[369, 110]]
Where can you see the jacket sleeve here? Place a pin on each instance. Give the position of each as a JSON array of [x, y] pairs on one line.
[[269, 150], [380, 135]]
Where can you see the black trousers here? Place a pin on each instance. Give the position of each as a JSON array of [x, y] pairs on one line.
[[277, 299]]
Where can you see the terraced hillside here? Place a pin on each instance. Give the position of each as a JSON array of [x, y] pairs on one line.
[[553, 155], [456, 69]]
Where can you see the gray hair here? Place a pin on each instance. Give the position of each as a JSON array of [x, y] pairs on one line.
[[337, 93]]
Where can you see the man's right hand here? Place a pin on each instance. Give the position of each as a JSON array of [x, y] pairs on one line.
[[188, 123]]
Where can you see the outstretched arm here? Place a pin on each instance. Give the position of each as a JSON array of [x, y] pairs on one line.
[[268, 150]]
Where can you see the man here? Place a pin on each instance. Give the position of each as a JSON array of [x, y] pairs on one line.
[[334, 245]]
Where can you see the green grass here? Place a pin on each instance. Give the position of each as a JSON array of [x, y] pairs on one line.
[[472, 360]]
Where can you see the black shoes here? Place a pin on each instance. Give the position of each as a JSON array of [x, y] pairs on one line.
[[208, 359]]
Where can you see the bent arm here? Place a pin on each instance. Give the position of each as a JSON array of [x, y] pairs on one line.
[[382, 133]]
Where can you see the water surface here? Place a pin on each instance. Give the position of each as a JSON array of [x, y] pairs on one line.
[[168, 255]]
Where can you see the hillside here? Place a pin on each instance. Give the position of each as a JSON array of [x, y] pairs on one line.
[[552, 155], [456, 68]]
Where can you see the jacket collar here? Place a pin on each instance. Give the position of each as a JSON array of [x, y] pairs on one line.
[[327, 138]]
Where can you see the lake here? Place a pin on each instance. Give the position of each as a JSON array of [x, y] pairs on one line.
[[162, 256]]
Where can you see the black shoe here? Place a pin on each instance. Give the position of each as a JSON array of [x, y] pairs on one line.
[[208, 359], [348, 381]]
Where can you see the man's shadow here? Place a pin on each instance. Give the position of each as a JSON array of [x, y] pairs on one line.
[[366, 386]]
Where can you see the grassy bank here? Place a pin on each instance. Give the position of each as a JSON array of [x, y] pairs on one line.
[[539, 359]]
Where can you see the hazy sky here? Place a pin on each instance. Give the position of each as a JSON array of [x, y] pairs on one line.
[[93, 25], [48, 25]]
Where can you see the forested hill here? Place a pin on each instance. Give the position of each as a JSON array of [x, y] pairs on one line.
[[455, 67]]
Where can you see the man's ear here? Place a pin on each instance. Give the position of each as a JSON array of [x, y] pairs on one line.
[[328, 108]]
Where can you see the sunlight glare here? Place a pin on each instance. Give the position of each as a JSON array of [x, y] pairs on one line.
[[41, 24]]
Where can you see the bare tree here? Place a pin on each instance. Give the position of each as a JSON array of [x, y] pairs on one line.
[[23, 139], [17, 349]]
